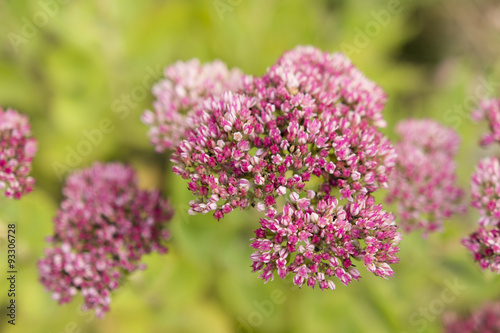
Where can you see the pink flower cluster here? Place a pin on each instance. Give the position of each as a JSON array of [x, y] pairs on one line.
[[104, 226], [489, 110], [17, 149], [423, 184], [484, 243], [301, 144], [484, 320], [184, 87], [485, 188], [324, 240]]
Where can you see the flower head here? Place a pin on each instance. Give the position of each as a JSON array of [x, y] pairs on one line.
[[325, 240], [423, 183], [302, 136], [274, 141], [104, 226], [17, 149]]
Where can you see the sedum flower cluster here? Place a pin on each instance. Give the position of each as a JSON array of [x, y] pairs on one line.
[[484, 243], [423, 184], [105, 224], [301, 144], [17, 149]]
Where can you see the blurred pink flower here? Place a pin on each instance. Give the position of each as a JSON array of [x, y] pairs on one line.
[[104, 226], [17, 149], [423, 184], [484, 320], [184, 87]]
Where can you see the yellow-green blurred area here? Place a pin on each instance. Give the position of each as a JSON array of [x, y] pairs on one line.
[[73, 66]]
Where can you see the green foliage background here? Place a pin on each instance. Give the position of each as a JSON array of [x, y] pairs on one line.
[[74, 71]]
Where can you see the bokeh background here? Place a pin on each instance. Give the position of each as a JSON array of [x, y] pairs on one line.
[[70, 64]]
